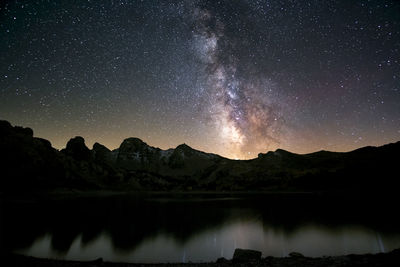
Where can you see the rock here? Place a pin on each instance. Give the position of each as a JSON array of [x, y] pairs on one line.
[[296, 255], [24, 131], [77, 149], [43, 142], [27, 162], [246, 255], [102, 154], [99, 260], [222, 260], [5, 127]]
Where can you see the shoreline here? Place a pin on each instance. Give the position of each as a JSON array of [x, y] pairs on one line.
[[295, 259], [109, 192], [73, 194]]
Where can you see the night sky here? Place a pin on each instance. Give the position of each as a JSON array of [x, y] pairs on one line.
[[235, 77]]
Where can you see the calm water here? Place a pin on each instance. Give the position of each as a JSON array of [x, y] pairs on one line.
[[196, 228]]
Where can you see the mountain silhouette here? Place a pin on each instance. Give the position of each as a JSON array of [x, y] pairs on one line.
[[31, 164]]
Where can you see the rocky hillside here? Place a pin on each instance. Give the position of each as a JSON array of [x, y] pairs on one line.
[[31, 163]]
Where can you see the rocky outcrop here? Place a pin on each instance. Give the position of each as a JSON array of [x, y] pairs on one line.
[[26, 162], [77, 149], [295, 254], [134, 154], [181, 162], [103, 155], [30, 162], [246, 255]]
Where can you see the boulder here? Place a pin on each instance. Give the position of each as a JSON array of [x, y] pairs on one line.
[[296, 255], [222, 260], [246, 255]]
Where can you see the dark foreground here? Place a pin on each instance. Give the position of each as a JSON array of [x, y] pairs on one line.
[[381, 259]]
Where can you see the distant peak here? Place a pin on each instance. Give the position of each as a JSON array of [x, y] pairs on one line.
[[77, 148], [133, 144], [98, 146], [279, 150], [77, 139], [133, 140], [184, 147], [185, 150]]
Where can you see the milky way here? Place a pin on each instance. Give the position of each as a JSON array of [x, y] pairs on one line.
[[247, 118], [236, 78]]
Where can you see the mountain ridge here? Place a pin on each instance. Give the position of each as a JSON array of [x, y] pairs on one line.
[[32, 163]]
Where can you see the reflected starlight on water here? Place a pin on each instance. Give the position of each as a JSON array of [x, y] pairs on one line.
[[310, 240], [178, 230]]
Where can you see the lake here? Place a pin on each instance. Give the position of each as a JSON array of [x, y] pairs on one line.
[[197, 228]]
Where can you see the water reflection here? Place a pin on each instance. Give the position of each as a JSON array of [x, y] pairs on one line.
[[196, 229]]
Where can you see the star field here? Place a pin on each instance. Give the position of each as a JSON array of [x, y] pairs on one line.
[[230, 77]]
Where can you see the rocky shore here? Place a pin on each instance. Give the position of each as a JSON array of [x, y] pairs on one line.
[[240, 258]]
